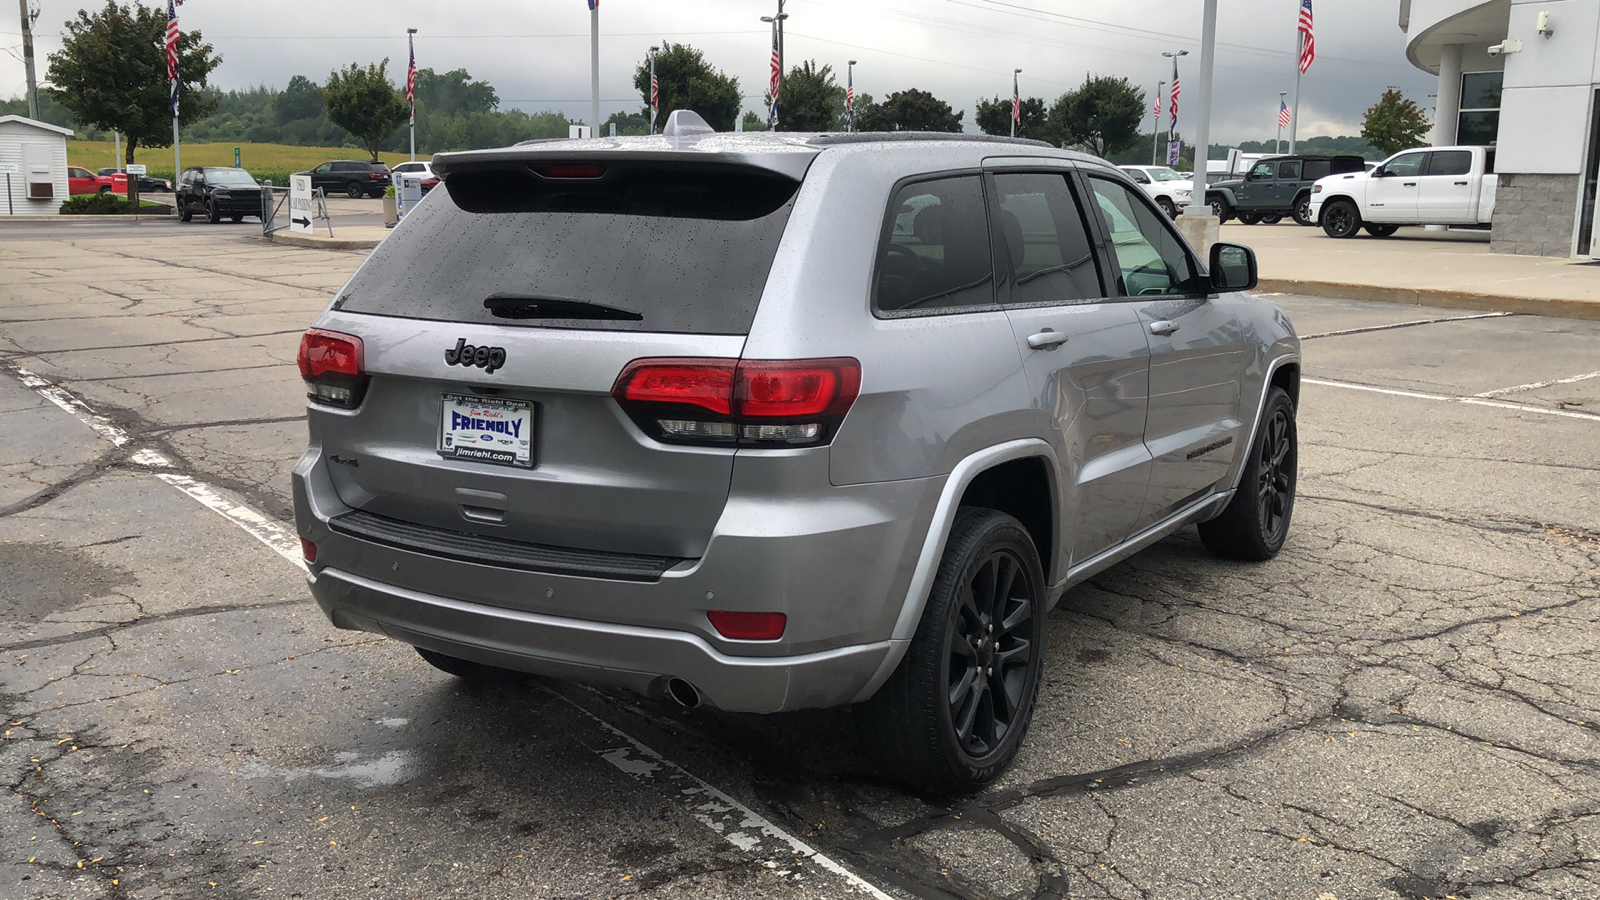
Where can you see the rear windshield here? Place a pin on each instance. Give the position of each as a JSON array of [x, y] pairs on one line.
[[640, 248]]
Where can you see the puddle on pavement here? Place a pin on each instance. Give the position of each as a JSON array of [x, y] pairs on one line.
[[391, 768], [42, 579]]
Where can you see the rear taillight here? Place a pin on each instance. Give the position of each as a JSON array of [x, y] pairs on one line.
[[333, 367], [744, 402], [383, 175]]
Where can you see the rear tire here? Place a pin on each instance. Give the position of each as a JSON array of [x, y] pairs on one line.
[[354, 190], [1302, 210], [1249, 218], [466, 670], [237, 218], [1255, 522], [1271, 219], [980, 641], [1340, 219], [1381, 230]]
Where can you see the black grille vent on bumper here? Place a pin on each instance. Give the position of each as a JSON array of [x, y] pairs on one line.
[[494, 551]]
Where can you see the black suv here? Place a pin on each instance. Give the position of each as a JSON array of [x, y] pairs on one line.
[[218, 191], [351, 177], [1276, 187]]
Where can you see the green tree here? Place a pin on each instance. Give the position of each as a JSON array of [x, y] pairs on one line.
[[689, 82], [364, 103], [627, 123], [302, 99], [111, 72], [994, 117], [811, 99], [1103, 116], [1394, 124], [455, 92], [754, 122], [908, 110]]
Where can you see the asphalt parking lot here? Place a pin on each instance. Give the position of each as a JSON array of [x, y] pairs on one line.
[[1403, 704]]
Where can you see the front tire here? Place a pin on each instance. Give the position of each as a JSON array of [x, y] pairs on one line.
[[1381, 230], [954, 713], [1255, 522], [1340, 219], [1220, 208], [213, 215], [1302, 210], [1168, 207], [184, 214]]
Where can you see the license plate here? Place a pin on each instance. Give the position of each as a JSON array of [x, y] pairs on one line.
[[487, 430]]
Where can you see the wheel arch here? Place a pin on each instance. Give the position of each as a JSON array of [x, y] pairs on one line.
[[1284, 372], [1330, 199]]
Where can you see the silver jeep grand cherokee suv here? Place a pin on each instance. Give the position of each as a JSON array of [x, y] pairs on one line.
[[769, 422]]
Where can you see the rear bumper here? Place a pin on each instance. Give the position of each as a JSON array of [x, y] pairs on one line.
[[639, 659]]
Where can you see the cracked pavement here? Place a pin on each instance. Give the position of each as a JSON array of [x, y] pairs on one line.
[[1402, 705]]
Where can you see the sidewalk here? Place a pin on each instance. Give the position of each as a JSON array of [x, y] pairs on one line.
[[345, 237], [1451, 269]]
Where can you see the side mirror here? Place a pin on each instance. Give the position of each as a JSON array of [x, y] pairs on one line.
[[1380, 172], [1233, 268]]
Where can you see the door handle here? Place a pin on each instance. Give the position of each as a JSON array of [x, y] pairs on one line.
[[1163, 327], [1408, 184], [1461, 184], [1048, 339]]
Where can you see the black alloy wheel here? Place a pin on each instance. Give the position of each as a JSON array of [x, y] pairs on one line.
[[354, 190], [213, 215], [185, 214], [1302, 210], [1340, 219], [1256, 521], [956, 710], [1271, 219], [1381, 230]]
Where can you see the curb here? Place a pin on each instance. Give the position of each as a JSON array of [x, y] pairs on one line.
[[1528, 306], [320, 243], [70, 219]]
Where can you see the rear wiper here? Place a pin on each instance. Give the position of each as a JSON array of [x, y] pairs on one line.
[[533, 306]]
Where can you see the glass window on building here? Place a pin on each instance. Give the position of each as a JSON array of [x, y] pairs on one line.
[[1480, 108]]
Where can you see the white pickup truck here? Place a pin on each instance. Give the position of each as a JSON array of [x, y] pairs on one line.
[[1432, 186]]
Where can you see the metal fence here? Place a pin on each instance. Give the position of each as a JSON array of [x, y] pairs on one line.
[[275, 214]]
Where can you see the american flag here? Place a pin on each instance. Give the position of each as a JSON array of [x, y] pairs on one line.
[[1173, 106], [172, 51], [1158, 104], [594, 4], [411, 85], [655, 97], [775, 83], [850, 96], [1308, 43], [1283, 114], [1016, 101]]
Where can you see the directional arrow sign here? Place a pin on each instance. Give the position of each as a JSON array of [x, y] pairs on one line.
[[300, 204], [299, 223]]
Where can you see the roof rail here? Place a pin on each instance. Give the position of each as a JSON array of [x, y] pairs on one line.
[[871, 137]]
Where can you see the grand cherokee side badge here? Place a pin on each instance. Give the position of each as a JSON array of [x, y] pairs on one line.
[[486, 358]]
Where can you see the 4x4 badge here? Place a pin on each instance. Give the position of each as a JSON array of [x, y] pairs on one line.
[[486, 358]]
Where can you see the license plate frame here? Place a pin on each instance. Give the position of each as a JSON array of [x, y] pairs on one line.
[[507, 441]]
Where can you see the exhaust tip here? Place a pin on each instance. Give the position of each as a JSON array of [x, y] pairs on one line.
[[683, 693]]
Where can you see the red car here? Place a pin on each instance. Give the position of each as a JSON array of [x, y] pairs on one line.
[[83, 181]]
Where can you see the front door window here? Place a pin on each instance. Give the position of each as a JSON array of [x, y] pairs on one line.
[[1150, 258]]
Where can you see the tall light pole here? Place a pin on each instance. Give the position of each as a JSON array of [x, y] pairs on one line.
[[27, 58], [594, 68], [411, 87], [1202, 139], [655, 90], [1277, 146], [850, 97], [1016, 101], [1172, 112], [1155, 133]]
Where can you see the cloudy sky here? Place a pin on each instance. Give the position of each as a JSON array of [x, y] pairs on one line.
[[536, 52]]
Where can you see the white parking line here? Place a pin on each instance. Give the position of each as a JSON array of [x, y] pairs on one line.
[[1447, 398], [787, 855], [1371, 328], [1536, 385]]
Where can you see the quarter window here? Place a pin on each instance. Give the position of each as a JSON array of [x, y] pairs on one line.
[[1150, 259], [937, 254], [1046, 240]]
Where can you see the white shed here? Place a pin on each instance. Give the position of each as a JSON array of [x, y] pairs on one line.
[[38, 153]]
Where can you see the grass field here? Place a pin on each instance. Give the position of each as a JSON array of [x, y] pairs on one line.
[[274, 161]]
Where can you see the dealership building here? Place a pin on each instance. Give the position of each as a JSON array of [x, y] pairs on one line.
[[1523, 75]]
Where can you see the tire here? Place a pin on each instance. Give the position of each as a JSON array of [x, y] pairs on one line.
[[1220, 209], [213, 215], [355, 190], [911, 726], [1249, 218], [1167, 206], [1302, 211], [1340, 219], [105, 189], [466, 670], [1271, 219], [1256, 521], [1381, 230], [237, 218], [184, 215]]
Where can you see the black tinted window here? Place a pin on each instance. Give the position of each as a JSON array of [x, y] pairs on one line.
[[1289, 171], [349, 167], [1316, 168], [1150, 259], [673, 250], [1045, 240], [1450, 162], [937, 252]]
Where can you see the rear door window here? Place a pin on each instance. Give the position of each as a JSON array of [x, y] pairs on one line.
[[1046, 241], [1289, 171], [937, 254], [676, 249], [1450, 162]]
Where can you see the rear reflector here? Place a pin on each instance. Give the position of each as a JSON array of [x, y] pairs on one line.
[[308, 550], [748, 626]]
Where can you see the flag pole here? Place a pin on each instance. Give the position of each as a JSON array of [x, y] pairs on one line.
[[594, 68], [1155, 133], [411, 45], [1277, 146], [171, 41], [1294, 115]]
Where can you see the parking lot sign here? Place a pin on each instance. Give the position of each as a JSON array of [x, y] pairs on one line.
[[408, 193], [300, 204], [137, 169], [237, 164]]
